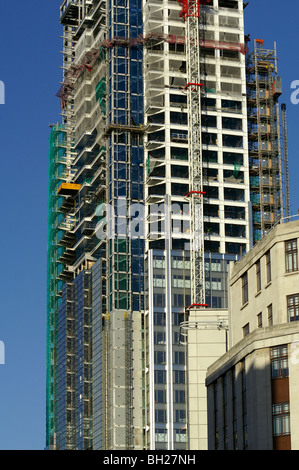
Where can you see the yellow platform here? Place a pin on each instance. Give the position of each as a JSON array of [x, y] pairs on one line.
[[68, 189]]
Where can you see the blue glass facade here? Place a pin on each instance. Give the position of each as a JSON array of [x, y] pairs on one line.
[[125, 150], [79, 358], [216, 279], [74, 357]]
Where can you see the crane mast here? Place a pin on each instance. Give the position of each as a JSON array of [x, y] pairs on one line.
[[286, 160], [191, 14]]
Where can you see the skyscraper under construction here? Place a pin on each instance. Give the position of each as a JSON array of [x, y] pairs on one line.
[[151, 195]]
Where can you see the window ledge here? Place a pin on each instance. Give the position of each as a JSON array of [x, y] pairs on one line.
[[258, 293], [269, 284], [292, 272], [244, 305]]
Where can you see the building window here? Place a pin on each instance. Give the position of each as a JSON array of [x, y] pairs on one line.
[[179, 357], [159, 280], [260, 320], [160, 357], [178, 318], [180, 396], [291, 253], [180, 416], [293, 307], [270, 315], [258, 276], [160, 396], [246, 330], [268, 266], [160, 377], [281, 419], [160, 416], [179, 377], [161, 435], [159, 262], [160, 337], [159, 300], [245, 288], [279, 362], [178, 300], [180, 435], [159, 319]]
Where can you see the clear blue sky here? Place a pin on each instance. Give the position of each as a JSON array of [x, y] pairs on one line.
[[30, 60]]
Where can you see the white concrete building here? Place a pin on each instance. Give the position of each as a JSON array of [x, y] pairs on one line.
[[253, 388], [264, 284], [205, 334], [224, 122], [226, 207]]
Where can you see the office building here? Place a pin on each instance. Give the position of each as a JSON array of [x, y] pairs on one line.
[[253, 389]]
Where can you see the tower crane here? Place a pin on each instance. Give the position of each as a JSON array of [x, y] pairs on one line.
[[191, 13]]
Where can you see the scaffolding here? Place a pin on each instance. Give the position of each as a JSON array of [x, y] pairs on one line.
[[57, 163], [77, 184], [286, 160], [98, 54], [263, 91]]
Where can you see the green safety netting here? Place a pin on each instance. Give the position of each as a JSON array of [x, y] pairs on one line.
[[152, 163], [100, 94], [56, 167], [237, 167]]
